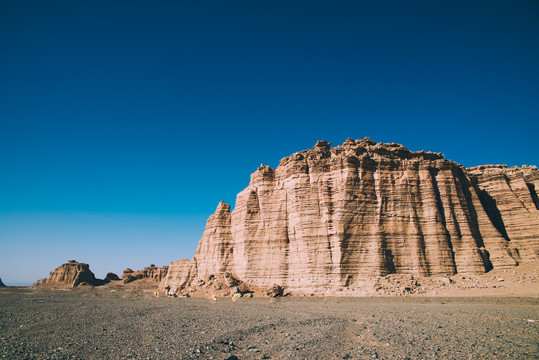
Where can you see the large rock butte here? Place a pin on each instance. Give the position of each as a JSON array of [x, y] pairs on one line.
[[70, 274], [328, 217]]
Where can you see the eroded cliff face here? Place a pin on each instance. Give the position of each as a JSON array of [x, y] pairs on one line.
[[328, 217], [180, 275], [70, 274], [509, 195], [151, 272]]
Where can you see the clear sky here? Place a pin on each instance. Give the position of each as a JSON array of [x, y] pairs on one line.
[[124, 123]]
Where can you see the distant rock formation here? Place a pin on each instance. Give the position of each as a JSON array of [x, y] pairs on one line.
[[151, 272], [70, 274], [2, 284], [326, 218], [112, 277], [74, 274]]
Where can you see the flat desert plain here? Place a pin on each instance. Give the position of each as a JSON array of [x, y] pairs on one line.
[[96, 324]]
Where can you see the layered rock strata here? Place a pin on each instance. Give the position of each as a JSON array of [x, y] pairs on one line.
[[509, 196], [151, 272], [326, 218], [70, 274]]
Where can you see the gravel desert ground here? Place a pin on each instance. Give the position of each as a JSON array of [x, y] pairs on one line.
[[96, 324]]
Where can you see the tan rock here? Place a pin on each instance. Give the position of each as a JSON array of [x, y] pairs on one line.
[[70, 274], [510, 198], [275, 291], [151, 272], [243, 288], [39, 282], [327, 218], [179, 276]]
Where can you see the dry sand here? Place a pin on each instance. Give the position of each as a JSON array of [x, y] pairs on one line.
[[131, 324]]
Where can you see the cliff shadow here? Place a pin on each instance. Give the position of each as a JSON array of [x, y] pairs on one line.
[[440, 205], [491, 208], [467, 187], [533, 194]]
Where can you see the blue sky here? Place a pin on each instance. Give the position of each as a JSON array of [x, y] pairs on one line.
[[123, 124]]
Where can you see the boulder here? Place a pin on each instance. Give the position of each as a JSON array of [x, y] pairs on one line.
[[276, 291]]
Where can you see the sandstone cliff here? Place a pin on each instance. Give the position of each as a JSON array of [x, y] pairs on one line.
[[70, 274], [509, 195], [151, 272], [326, 218]]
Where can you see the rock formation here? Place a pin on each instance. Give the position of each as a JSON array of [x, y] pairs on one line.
[[74, 274], [151, 272], [70, 274], [2, 284], [112, 277], [509, 196], [326, 218]]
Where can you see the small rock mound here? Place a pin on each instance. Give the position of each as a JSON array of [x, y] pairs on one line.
[[112, 277], [39, 282], [276, 291], [215, 285]]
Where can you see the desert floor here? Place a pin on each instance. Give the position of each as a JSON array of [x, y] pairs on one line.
[[93, 324]]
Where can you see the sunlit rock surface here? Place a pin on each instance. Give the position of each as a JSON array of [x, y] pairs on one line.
[[329, 217], [509, 196], [151, 272], [70, 274]]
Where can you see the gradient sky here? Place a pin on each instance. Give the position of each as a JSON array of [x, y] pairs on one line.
[[124, 123]]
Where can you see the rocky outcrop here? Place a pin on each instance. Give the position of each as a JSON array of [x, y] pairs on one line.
[[39, 282], [74, 274], [151, 272], [509, 196], [180, 275], [70, 274], [326, 218], [2, 284], [112, 277]]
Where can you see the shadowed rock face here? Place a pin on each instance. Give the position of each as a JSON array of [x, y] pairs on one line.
[[509, 196], [112, 277], [2, 284], [328, 217]]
